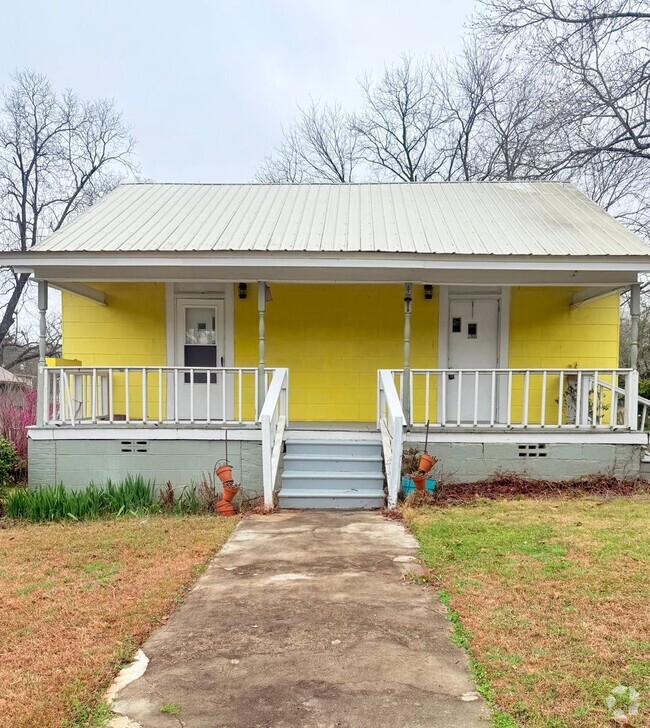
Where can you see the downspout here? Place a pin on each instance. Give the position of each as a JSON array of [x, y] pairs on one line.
[[261, 367], [406, 379], [42, 352]]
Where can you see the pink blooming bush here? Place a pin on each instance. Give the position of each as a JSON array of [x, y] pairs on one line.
[[17, 413]]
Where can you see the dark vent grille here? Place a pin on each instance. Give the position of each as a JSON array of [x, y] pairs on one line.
[[532, 451], [134, 446]]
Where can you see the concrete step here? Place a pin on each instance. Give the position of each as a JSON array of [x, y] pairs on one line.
[[325, 499], [333, 463], [341, 448], [335, 482]]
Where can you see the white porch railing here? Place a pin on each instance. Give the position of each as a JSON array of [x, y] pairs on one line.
[[390, 421], [150, 395], [274, 417], [523, 398]]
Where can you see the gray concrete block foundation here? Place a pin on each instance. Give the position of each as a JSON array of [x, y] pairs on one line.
[[77, 462], [470, 462]]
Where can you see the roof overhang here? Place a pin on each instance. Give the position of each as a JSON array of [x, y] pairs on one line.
[[332, 267]]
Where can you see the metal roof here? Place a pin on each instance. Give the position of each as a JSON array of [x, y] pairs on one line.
[[493, 218]]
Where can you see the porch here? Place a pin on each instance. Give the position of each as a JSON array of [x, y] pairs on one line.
[[165, 423]]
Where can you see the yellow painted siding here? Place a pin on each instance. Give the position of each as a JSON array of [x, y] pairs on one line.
[[546, 332], [333, 338], [129, 331]]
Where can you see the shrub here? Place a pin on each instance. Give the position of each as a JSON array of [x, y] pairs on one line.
[[8, 461], [17, 413], [133, 495]]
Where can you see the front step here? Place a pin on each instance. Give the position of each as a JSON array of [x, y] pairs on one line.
[[341, 473]]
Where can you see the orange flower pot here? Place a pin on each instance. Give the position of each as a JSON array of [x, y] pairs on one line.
[[427, 462], [419, 481], [229, 492], [224, 508], [224, 472]]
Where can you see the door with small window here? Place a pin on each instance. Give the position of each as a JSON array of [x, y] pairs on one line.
[[473, 344], [199, 348]]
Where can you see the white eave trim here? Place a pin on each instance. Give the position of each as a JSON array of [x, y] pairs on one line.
[[594, 293], [80, 289], [317, 259]]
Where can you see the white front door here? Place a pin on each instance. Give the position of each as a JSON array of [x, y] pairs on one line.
[[200, 344], [473, 344]]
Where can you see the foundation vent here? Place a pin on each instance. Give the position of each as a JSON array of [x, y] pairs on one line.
[[532, 451], [134, 446]]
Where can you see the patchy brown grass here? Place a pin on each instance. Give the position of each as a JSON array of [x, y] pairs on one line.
[[552, 596], [76, 599]]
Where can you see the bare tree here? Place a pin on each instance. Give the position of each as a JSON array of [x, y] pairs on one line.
[[401, 126], [58, 154], [600, 50], [321, 146]]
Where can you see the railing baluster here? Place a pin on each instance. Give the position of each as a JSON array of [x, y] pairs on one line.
[[144, 395], [127, 407], [444, 378], [595, 405], [542, 418], [160, 394], [509, 400], [524, 413], [460, 397], [93, 397], [560, 400], [493, 397], [176, 396], [239, 396], [476, 380], [192, 395], [578, 399], [208, 377], [426, 398], [224, 415], [613, 400], [111, 407]]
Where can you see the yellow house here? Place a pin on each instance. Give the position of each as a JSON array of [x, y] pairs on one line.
[[310, 332]]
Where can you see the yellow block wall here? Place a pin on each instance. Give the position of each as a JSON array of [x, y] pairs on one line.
[[129, 331], [545, 332], [333, 338]]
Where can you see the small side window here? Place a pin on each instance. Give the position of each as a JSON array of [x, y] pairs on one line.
[[472, 331], [456, 325]]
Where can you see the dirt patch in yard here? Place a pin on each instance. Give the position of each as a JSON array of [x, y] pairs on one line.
[[78, 598]]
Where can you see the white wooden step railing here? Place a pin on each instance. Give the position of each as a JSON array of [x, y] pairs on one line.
[[150, 395], [523, 398], [274, 418], [391, 422]]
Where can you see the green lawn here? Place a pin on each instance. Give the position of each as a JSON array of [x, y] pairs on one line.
[[552, 597]]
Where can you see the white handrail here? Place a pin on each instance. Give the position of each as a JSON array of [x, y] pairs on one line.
[[390, 420], [111, 395], [274, 418], [518, 398]]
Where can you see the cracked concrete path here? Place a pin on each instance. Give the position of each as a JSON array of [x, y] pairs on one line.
[[304, 619]]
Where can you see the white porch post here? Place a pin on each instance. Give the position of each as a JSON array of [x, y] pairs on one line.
[[42, 351], [632, 384], [406, 381], [261, 367]]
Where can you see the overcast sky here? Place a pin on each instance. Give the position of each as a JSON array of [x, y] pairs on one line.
[[207, 85]]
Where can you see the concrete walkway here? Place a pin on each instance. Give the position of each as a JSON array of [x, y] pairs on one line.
[[304, 619]]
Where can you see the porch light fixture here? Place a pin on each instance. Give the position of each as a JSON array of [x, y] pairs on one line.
[[242, 288], [428, 292]]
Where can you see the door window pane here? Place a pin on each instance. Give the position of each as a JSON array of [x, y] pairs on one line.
[[200, 327]]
